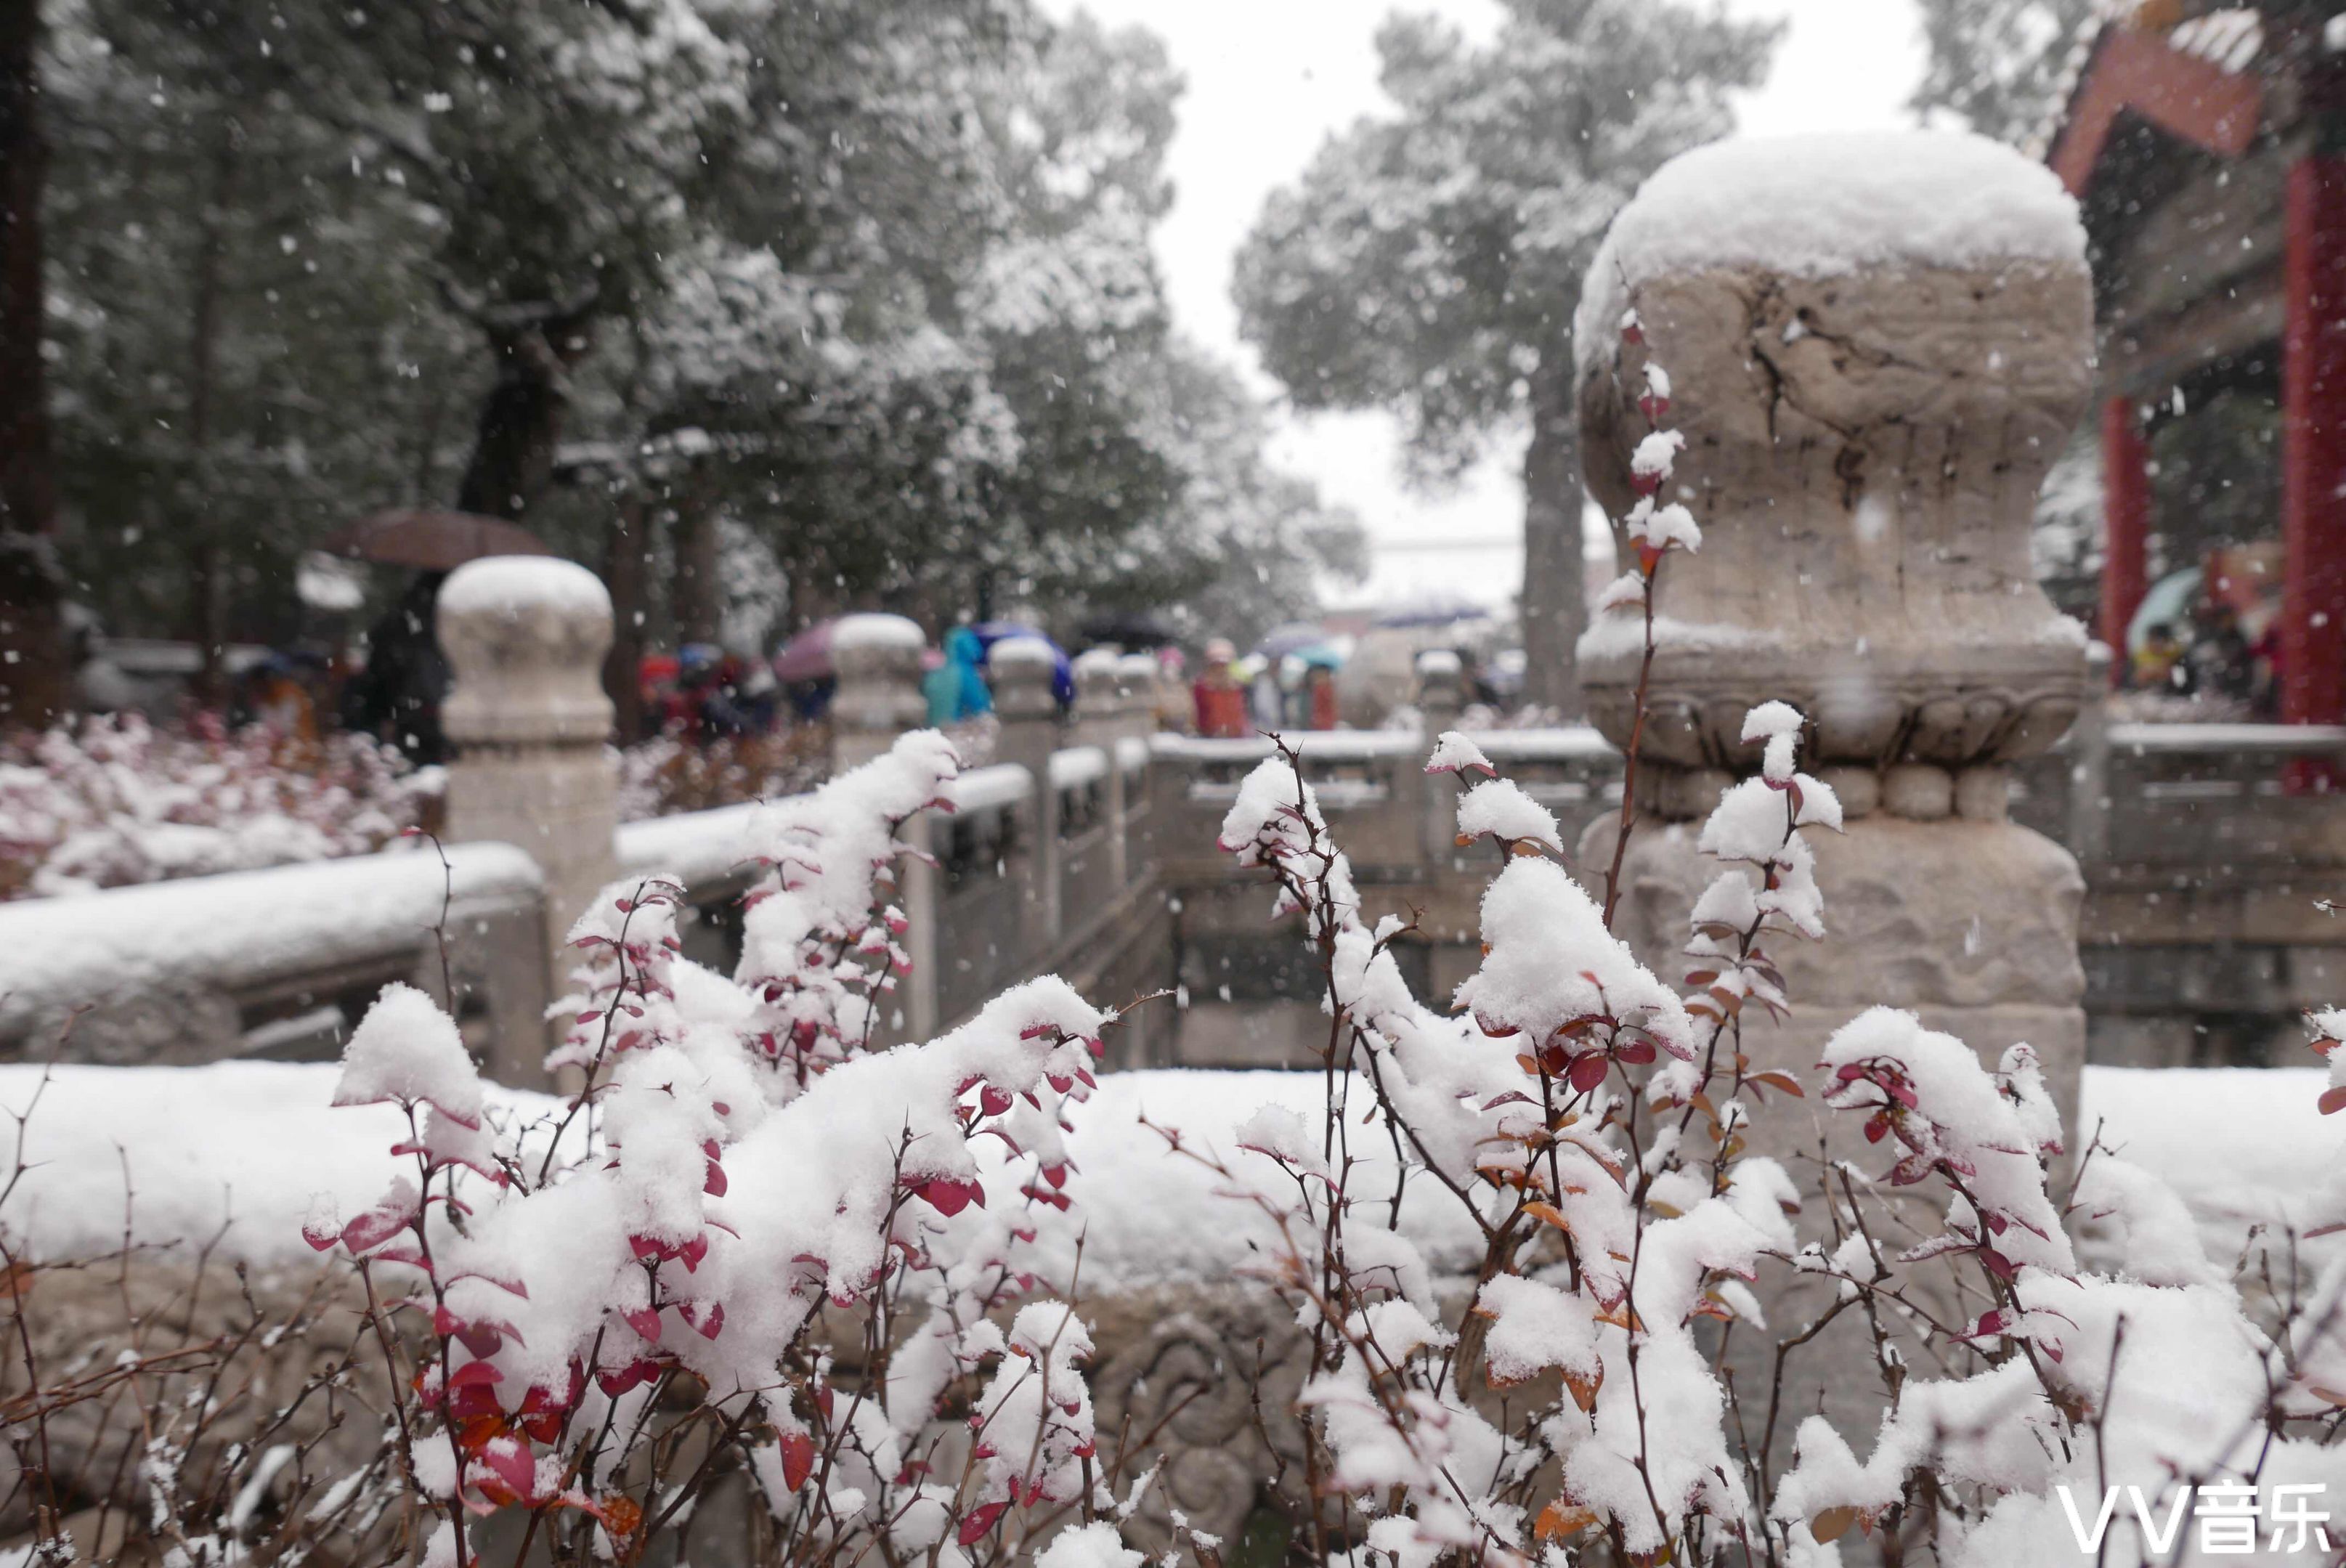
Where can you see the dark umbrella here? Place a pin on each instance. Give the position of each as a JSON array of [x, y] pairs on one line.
[[1128, 628], [431, 541]]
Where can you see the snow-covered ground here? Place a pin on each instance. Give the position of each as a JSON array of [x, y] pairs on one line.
[[233, 1155]]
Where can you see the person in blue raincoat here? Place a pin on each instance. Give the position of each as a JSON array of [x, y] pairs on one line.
[[956, 689]]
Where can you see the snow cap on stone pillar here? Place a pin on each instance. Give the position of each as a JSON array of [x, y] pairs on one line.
[[1874, 347], [875, 661], [1098, 699], [1021, 668], [1135, 676], [524, 637], [1441, 682]]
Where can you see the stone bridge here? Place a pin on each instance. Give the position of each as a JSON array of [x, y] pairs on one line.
[[1870, 567]]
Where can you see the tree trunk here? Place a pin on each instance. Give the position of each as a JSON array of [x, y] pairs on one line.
[[208, 589], [1554, 604], [35, 679], [521, 423], [699, 602], [627, 568]]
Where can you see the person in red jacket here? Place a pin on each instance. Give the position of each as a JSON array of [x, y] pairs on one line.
[[1221, 700]]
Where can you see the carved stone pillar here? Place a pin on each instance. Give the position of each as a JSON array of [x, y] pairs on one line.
[[1441, 699], [1021, 669], [1099, 702], [1867, 423], [1137, 678], [876, 661], [877, 695], [525, 637], [1102, 713]]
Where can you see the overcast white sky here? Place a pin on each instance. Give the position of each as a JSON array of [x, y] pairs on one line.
[[1269, 79]]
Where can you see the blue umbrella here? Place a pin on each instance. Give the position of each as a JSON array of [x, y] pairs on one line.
[[1062, 669], [1291, 637]]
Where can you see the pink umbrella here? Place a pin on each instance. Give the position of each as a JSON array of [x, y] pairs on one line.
[[806, 657]]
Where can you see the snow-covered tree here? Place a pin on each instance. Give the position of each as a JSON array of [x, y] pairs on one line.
[[1429, 260], [1999, 65], [985, 408]]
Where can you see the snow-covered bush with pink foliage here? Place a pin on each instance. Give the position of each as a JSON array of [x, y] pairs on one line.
[[1574, 1401], [739, 1197], [118, 800]]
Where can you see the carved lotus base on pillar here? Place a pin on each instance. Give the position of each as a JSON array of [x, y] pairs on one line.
[[1174, 1375], [1971, 925]]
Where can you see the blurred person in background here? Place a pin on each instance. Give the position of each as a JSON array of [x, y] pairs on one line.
[[956, 687], [2155, 661], [2220, 660], [1320, 697], [1220, 698], [397, 697], [1266, 702]]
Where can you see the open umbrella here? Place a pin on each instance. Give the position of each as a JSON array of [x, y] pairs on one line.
[[2170, 600], [431, 541], [1128, 630], [1063, 671], [807, 657], [1282, 640]]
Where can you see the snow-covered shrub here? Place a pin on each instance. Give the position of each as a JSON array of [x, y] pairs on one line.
[[1593, 1124], [749, 1244], [118, 800]]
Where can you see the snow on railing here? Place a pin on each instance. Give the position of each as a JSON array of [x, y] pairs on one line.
[[2271, 740], [1078, 766], [991, 789], [1566, 743], [1311, 745], [239, 929], [701, 847]]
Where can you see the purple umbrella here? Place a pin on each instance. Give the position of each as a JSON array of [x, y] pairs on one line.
[[806, 657]]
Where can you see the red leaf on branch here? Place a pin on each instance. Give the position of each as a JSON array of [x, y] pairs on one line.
[[798, 1459], [949, 1197], [980, 1520]]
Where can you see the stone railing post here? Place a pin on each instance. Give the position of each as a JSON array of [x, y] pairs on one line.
[[2089, 763], [1137, 679], [525, 637], [1865, 507], [1021, 670], [1866, 427], [1099, 705], [876, 665], [876, 661], [1103, 714], [1440, 701]]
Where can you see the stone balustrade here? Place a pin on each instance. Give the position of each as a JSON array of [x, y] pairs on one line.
[[2200, 937]]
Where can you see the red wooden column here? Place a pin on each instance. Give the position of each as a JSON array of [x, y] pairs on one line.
[[2313, 446], [2126, 526]]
